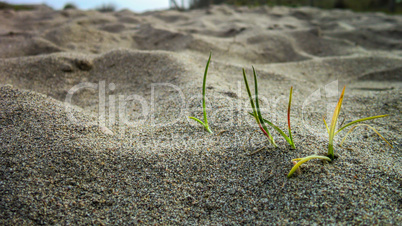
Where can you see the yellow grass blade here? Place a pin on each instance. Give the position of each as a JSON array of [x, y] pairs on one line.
[[343, 140], [305, 159], [326, 125], [360, 120], [335, 116], [298, 159], [333, 125]]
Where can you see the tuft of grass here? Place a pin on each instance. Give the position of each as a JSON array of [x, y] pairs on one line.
[[332, 129], [261, 121], [332, 132], [205, 122], [256, 107], [288, 137]]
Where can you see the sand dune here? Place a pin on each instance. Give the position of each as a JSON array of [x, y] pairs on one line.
[[94, 110]]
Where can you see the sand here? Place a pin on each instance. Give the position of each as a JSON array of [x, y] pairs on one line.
[[122, 150]]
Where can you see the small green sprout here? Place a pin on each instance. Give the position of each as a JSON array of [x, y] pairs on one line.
[[305, 159], [205, 123], [331, 131], [256, 107], [261, 121]]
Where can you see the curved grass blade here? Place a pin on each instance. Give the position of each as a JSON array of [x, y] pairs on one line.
[[344, 138], [305, 159], [205, 123], [277, 129], [196, 119], [360, 120]]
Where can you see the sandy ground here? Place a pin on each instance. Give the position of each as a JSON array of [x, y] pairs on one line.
[[94, 110]]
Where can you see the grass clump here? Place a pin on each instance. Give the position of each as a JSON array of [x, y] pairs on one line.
[[205, 122], [288, 137], [332, 132], [256, 107], [260, 120]]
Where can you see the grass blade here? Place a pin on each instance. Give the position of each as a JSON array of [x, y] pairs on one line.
[[196, 119], [204, 90], [305, 159], [278, 130], [290, 130], [343, 140], [326, 125], [333, 125], [360, 120], [249, 95], [205, 123], [257, 105]]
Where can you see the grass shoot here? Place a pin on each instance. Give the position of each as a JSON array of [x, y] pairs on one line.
[[256, 107], [288, 137], [260, 120], [331, 130], [205, 122]]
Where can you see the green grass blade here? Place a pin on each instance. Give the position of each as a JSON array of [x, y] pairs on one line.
[[253, 107], [289, 128], [196, 119], [343, 140], [250, 97], [205, 123], [257, 105], [208, 129], [204, 89], [277, 129], [360, 120], [305, 159]]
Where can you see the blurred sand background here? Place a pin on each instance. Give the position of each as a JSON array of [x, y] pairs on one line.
[[149, 164]]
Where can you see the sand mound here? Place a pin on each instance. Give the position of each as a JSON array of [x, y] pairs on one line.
[[94, 125]]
